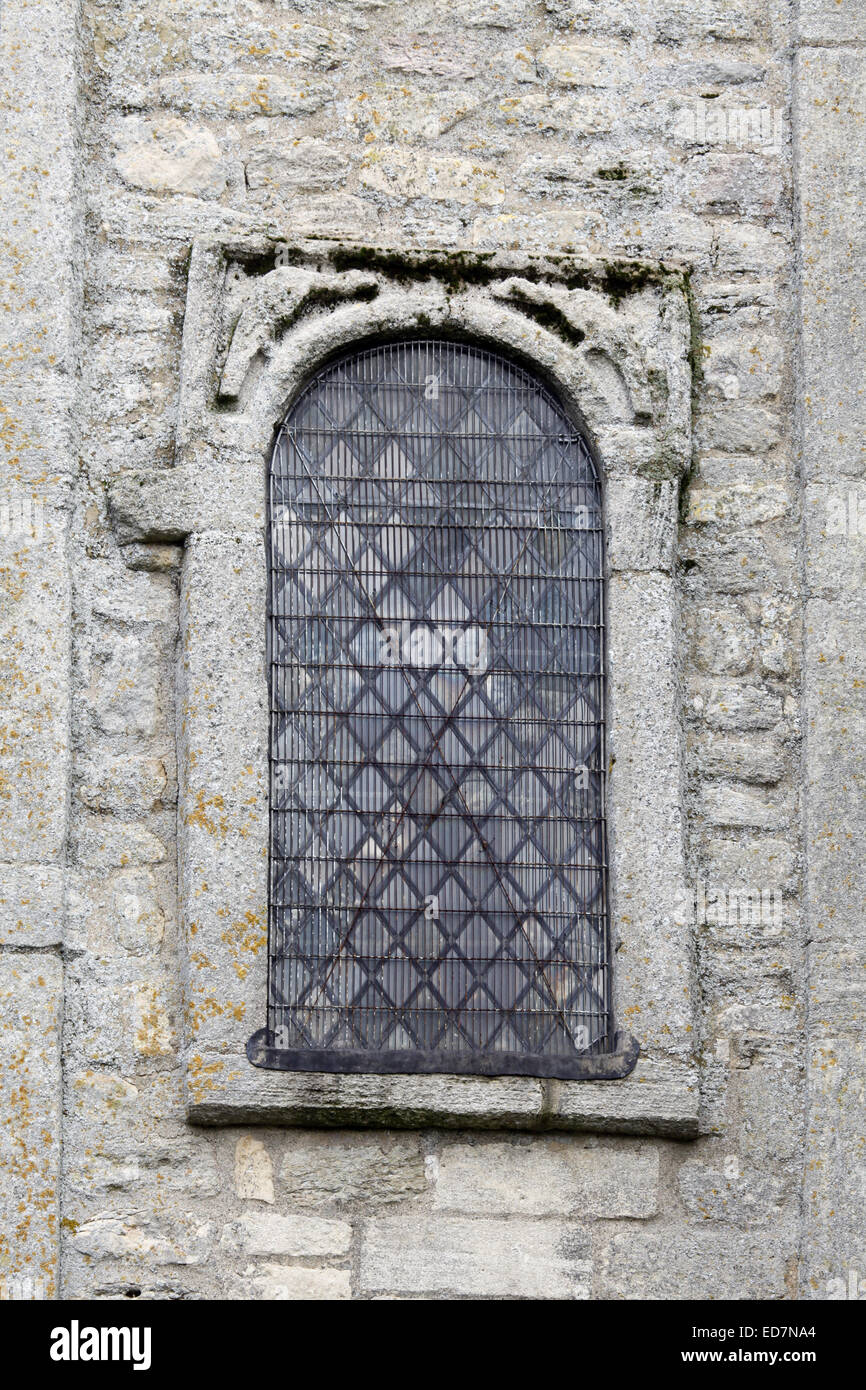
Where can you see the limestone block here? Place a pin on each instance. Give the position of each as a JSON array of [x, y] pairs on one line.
[[171, 156], [270, 1234], [549, 1177], [409, 173], [254, 1174], [31, 1002], [286, 1283], [476, 1258], [349, 1167]]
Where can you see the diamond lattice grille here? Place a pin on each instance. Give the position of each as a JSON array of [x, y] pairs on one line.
[[438, 875]]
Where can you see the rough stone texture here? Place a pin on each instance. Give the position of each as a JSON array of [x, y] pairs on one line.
[[702, 1263], [287, 1235], [144, 362], [286, 1283], [538, 1259], [820, 21], [31, 905], [548, 1177], [319, 1169], [254, 1174], [31, 991], [40, 332], [832, 85], [659, 1097]]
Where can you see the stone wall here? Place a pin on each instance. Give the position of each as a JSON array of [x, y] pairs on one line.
[[703, 133]]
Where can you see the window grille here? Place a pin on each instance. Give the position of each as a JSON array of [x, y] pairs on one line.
[[438, 871]]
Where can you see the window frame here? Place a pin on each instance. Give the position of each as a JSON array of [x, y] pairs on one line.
[[620, 361], [616, 1060]]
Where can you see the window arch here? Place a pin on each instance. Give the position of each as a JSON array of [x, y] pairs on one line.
[[438, 866]]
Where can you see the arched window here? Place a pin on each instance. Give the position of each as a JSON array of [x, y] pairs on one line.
[[438, 894]]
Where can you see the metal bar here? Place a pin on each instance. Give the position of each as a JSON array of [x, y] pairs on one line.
[[438, 863]]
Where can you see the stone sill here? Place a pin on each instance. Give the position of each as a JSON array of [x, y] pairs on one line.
[[659, 1098]]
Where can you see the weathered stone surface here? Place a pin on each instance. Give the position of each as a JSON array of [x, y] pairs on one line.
[[337, 216], [103, 843], [770, 861], [169, 506], [701, 1263], [740, 505], [830, 174], [31, 905], [374, 1168], [547, 1177], [740, 706], [286, 1283], [593, 112], [277, 300], [823, 21], [724, 640], [41, 251], [584, 64], [731, 804], [220, 1088], [757, 759], [837, 973], [677, 21], [153, 1034], [30, 1106], [123, 914], [126, 1164], [836, 660], [764, 1098], [641, 522], [287, 1235], [835, 516], [731, 1195], [171, 156], [34, 670], [222, 774], [129, 695], [405, 173], [835, 1179], [275, 170], [654, 974], [744, 185], [535, 1259], [238, 94], [139, 1237], [743, 565], [410, 116], [254, 1173], [102, 1096], [446, 56], [574, 229], [123, 784], [737, 427], [660, 1097]]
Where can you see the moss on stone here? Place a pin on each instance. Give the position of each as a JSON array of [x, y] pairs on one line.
[[613, 175], [549, 317], [622, 278], [456, 269], [459, 270]]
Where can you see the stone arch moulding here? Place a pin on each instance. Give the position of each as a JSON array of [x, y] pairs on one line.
[[614, 341]]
